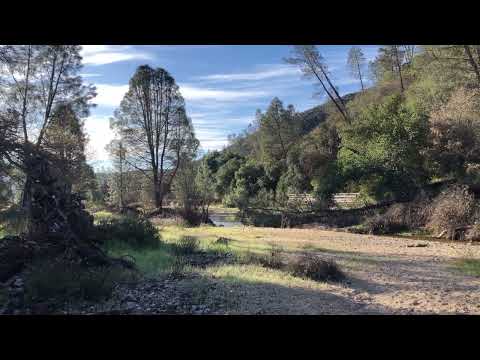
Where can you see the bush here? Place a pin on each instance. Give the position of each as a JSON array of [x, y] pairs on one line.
[[380, 224], [60, 281], [187, 245], [398, 217], [223, 241], [131, 231], [452, 209], [13, 220], [274, 258], [312, 267], [177, 269], [473, 234]]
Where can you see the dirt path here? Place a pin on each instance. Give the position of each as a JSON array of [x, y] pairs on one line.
[[387, 276]]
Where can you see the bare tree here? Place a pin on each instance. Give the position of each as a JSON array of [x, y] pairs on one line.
[[154, 125], [355, 62], [313, 65]]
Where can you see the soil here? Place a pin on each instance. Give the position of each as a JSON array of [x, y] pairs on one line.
[[384, 275]]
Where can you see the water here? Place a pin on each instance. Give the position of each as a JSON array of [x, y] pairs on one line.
[[225, 219]]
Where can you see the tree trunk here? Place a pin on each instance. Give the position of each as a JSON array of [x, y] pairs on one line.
[[399, 67], [360, 75], [158, 193], [472, 62]]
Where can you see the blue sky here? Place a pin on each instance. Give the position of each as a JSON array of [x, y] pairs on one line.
[[223, 86]]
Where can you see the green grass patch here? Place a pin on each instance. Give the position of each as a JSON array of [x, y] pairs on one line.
[[150, 262], [105, 215], [468, 266]]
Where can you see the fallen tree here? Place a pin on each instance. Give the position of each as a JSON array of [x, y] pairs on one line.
[[58, 226]]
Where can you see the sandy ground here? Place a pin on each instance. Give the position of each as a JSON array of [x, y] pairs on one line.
[[385, 276]]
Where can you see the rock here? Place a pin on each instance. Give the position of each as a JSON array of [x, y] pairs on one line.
[[130, 305], [18, 282], [40, 308]]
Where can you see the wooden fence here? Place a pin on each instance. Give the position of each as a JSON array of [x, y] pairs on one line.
[[340, 199]]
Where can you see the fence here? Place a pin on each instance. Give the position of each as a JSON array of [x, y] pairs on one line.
[[340, 199]]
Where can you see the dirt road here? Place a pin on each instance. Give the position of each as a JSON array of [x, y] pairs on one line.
[[385, 275]]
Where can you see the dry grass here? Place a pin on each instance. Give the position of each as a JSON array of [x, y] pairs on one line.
[[453, 208]]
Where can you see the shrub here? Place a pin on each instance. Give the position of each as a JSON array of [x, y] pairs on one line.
[[13, 220], [473, 234], [187, 245], [223, 241], [60, 281], [380, 224], [177, 268], [274, 258], [132, 231], [452, 209], [312, 267], [402, 216]]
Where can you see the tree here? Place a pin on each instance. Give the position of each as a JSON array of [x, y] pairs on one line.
[[250, 179], [278, 131], [117, 153], [455, 135], [36, 81], [389, 62], [157, 132], [206, 189], [313, 65], [65, 139], [384, 150], [186, 192], [456, 58], [355, 62]]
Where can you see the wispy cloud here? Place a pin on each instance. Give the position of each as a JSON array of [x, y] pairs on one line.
[[195, 92], [107, 54], [273, 71], [110, 95], [89, 75]]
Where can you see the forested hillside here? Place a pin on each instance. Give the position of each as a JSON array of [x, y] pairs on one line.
[[417, 123]]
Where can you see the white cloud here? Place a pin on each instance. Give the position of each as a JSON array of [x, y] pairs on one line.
[[99, 135], [109, 94], [209, 145], [107, 54], [272, 72], [192, 93], [88, 75]]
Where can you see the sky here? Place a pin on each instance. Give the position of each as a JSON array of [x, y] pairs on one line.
[[223, 85]]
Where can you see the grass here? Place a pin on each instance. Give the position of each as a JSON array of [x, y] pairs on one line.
[[257, 274], [468, 266], [105, 215], [151, 262]]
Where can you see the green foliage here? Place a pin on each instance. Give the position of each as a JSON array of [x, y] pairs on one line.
[[225, 175], [134, 232], [249, 180], [383, 148], [205, 186], [278, 131], [62, 281]]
